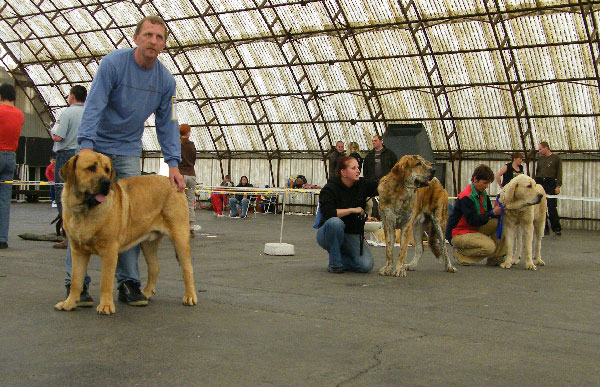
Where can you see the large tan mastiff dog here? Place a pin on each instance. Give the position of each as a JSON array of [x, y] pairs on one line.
[[105, 217]]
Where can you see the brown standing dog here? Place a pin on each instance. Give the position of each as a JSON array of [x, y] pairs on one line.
[[397, 194], [430, 215], [105, 217]]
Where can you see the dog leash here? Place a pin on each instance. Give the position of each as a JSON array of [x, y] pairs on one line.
[[500, 220]]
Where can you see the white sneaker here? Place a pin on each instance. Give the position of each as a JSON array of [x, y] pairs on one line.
[[54, 205], [221, 215], [196, 228]]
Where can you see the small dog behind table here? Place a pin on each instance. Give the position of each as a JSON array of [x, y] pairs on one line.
[[399, 208], [105, 217]]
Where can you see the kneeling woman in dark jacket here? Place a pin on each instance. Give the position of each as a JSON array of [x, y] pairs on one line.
[[342, 206]]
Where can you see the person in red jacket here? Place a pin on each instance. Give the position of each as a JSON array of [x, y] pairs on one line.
[[472, 225], [50, 178], [11, 123]]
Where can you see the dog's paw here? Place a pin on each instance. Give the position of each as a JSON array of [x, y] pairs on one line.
[[401, 272], [190, 299], [65, 305], [530, 266], [539, 262], [450, 269], [411, 267], [148, 292], [106, 308], [505, 265], [385, 271]]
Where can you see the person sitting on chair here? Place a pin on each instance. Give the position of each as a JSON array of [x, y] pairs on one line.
[[218, 199], [240, 199]]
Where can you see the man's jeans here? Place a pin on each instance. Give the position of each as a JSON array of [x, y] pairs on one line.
[[127, 265], [61, 159], [344, 249], [234, 203], [7, 170]]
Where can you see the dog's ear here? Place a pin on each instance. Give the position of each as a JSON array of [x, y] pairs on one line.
[[507, 196], [68, 170], [400, 169]]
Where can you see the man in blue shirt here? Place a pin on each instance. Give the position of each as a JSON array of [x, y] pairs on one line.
[[129, 86]]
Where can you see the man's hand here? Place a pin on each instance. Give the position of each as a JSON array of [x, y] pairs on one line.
[[557, 190], [176, 178], [497, 210]]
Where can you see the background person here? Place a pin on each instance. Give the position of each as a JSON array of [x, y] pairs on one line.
[[50, 178], [336, 153], [186, 168], [240, 199], [65, 146], [378, 162], [11, 123], [341, 204], [548, 173], [129, 86], [510, 170], [354, 151], [471, 229], [218, 200]]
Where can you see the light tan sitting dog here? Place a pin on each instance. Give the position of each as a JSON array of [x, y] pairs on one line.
[[523, 220], [105, 217], [397, 194]]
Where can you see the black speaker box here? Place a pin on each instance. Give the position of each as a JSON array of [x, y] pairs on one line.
[[412, 139], [34, 151]]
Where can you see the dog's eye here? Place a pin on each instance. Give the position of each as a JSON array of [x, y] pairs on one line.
[[106, 170], [92, 168], [529, 186]]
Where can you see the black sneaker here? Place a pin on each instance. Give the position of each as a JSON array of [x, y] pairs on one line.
[[129, 292], [85, 300], [335, 270], [3, 245]]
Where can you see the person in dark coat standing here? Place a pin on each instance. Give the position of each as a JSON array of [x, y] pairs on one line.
[[548, 173], [335, 154], [378, 163]]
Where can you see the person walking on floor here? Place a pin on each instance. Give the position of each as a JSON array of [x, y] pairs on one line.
[[11, 123]]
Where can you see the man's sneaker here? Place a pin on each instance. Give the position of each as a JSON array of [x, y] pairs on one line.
[[129, 292], [85, 300], [335, 270], [3, 245], [558, 233]]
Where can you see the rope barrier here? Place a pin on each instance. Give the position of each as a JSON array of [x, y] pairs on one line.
[[273, 191]]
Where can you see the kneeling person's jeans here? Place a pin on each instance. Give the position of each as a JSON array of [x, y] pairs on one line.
[[344, 249]]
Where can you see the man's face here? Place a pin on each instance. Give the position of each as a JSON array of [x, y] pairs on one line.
[[481, 185], [339, 146], [150, 41], [377, 143], [542, 149]]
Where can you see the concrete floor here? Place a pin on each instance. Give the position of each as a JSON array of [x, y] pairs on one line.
[[265, 320]]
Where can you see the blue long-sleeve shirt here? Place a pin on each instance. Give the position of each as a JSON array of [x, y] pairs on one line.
[[122, 97]]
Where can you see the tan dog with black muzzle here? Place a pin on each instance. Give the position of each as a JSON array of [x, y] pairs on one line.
[[105, 217]]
